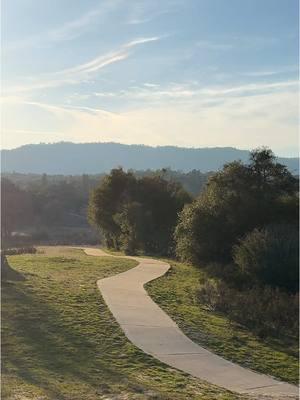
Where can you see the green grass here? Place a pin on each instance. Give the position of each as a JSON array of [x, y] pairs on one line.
[[176, 294], [60, 342]]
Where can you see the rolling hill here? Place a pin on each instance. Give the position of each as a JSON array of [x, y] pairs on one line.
[[90, 158]]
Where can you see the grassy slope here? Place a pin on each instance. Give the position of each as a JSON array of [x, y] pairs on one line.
[[175, 293], [61, 342]]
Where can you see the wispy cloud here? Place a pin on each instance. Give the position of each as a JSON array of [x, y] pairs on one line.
[[95, 64], [232, 42], [142, 12], [251, 88], [151, 85], [87, 21], [75, 28], [156, 95], [272, 71], [69, 30], [66, 109], [81, 72], [185, 92], [245, 116], [138, 41]]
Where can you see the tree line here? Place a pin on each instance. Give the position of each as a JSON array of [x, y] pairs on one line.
[[246, 216], [53, 208]]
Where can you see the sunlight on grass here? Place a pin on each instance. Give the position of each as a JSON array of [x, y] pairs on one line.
[[59, 340]]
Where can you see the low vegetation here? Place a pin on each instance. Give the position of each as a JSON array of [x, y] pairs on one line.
[[265, 311], [210, 320], [270, 256], [60, 342]]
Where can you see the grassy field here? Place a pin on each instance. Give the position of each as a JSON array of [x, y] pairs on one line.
[[175, 293], [60, 342]]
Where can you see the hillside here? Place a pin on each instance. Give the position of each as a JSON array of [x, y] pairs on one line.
[[89, 158]]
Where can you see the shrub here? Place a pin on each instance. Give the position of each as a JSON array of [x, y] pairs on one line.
[[270, 256], [229, 273], [20, 250], [266, 311]]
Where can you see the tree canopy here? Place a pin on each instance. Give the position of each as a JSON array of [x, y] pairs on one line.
[[237, 199], [137, 214]]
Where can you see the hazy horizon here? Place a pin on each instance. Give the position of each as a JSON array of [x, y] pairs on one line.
[[189, 74], [153, 146]]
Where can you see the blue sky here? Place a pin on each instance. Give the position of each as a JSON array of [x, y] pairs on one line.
[[194, 73]]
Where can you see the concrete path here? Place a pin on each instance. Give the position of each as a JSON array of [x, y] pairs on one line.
[[153, 331]]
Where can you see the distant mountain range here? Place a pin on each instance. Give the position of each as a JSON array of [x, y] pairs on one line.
[[91, 158]]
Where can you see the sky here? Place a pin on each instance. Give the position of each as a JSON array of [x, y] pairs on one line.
[[190, 73]]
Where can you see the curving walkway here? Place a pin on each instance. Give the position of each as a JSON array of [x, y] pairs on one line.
[[153, 331]]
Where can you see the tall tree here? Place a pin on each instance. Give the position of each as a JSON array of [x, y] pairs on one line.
[[137, 214], [237, 199]]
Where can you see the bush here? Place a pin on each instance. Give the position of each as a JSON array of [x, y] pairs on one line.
[[229, 273], [20, 250], [265, 311], [270, 256]]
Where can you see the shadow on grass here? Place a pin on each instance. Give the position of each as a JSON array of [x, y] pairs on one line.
[[44, 349], [8, 273]]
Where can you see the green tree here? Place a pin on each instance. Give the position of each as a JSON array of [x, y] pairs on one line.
[[237, 199], [106, 202], [132, 226], [162, 201], [137, 214]]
